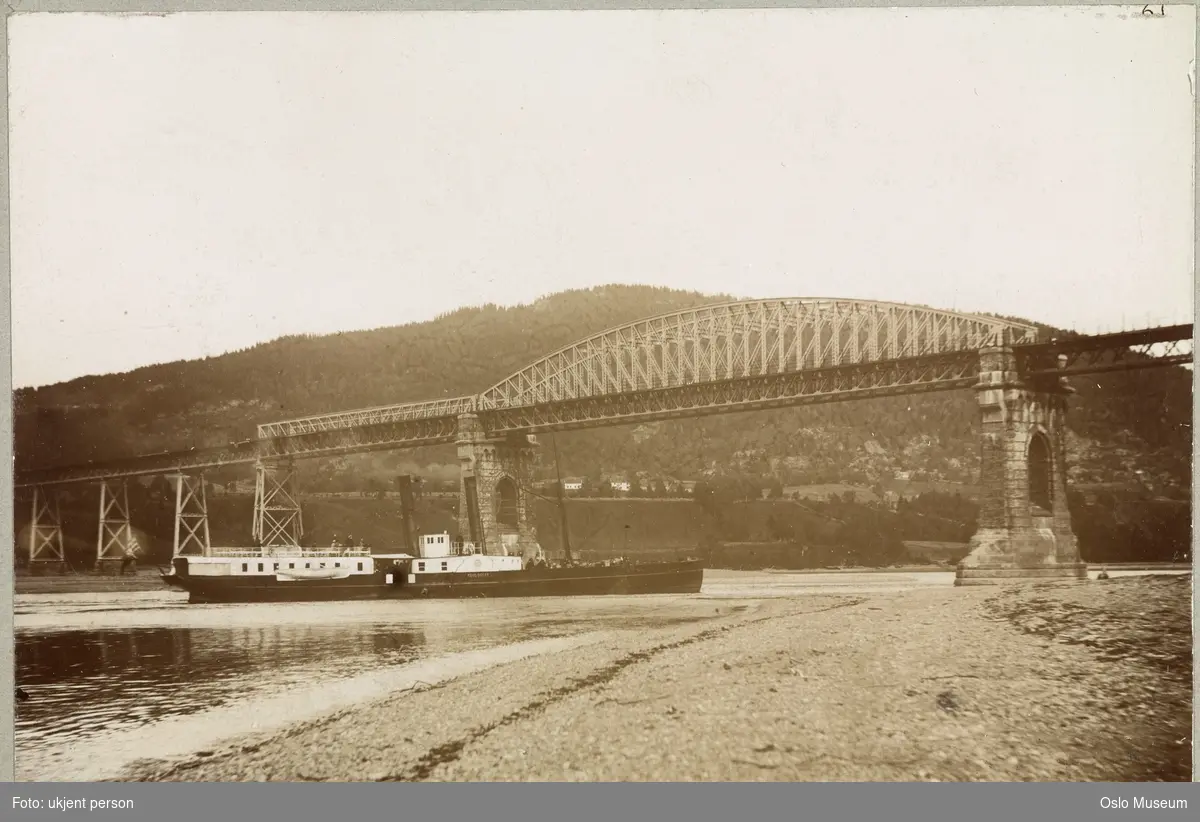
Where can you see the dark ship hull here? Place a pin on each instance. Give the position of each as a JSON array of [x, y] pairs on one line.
[[683, 577]]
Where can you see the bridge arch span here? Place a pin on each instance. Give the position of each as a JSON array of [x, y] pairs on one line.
[[752, 338]]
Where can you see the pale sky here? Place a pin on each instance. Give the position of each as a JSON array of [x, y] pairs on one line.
[[191, 184]]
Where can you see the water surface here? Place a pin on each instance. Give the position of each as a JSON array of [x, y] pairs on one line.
[[117, 676], [114, 677]]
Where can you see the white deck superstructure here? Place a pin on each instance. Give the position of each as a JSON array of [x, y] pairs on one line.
[[290, 563], [437, 554]]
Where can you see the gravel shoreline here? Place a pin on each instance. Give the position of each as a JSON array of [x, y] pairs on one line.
[[1044, 682]]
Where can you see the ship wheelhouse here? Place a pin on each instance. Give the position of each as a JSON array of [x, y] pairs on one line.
[[441, 554]]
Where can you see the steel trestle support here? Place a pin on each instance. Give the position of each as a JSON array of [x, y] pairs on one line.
[[278, 520], [709, 360], [191, 517], [115, 535], [45, 527]]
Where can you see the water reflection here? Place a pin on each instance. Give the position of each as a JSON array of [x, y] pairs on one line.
[[86, 682], [112, 688]]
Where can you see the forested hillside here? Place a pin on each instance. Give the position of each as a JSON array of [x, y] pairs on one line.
[[221, 399], [1127, 429]]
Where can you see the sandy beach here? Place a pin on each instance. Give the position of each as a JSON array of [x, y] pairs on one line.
[[1043, 682]]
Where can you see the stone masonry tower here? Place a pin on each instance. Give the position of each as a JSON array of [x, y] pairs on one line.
[[1024, 524], [494, 509]]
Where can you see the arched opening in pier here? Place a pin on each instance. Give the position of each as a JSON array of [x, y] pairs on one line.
[[1040, 472], [506, 503]]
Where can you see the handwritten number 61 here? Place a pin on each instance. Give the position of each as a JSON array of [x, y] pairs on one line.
[[1147, 11]]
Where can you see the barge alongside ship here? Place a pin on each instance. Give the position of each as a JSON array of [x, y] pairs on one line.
[[443, 569]]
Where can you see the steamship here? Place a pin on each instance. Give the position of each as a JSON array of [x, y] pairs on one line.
[[442, 568]]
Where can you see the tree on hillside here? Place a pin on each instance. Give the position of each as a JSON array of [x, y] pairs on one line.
[[1139, 421]]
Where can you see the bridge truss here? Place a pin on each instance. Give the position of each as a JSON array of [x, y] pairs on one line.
[[333, 441], [368, 418], [940, 372], [742, 340], [714, 359], [1122, 351]]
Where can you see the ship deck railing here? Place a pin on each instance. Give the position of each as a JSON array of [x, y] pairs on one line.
[[289, 551]]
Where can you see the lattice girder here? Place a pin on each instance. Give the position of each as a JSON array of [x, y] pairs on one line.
[[363, 417], [775, 352], [385, 436], [368, 437], [746, 339], [1122, 351], [918, 375]]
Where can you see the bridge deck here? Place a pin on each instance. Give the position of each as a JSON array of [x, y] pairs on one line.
[[762, 384]]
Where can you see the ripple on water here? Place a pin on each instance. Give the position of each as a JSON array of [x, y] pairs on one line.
[[109, 685]]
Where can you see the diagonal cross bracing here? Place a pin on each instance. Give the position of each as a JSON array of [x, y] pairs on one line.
[[1123, 351], [115, 535], [344, 420], [191, 517], [45, 527], [278, 520], [742, 340], [707, 360], [919, 375]]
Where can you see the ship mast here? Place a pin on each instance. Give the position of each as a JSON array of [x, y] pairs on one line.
[[562, 505]]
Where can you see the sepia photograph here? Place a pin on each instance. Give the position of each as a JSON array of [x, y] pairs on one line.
[[791, 394]]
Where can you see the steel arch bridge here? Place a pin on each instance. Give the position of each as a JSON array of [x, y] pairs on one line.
[[712, 359], [743, 356], [738, 340], [733, 356]]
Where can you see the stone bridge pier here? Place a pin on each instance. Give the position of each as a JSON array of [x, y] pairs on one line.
[[494, 504], [1024, 526]]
